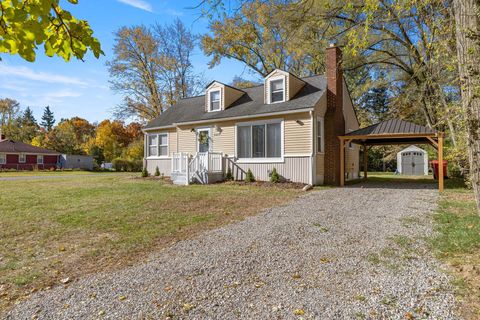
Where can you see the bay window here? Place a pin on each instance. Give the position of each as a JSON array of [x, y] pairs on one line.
[[158, 145], [257, 141]]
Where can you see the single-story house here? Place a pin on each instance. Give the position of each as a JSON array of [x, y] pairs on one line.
[[22, 156], [288, 123], [412, 161]]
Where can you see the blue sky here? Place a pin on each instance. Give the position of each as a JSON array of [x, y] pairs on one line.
[[81, 88]]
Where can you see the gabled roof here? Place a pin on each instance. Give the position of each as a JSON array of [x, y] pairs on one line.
[[393, 126], [251, 103], [10, 146]]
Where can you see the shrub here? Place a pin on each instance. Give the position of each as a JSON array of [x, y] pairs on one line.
[[144, 172], [157, 172], [229, 175], [249, 176], [120, 164], [274, 176]]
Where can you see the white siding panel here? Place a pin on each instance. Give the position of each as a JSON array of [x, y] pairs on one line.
[[164, 165], [295, 169]]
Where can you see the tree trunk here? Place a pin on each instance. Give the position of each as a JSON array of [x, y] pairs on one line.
[[468, 51]]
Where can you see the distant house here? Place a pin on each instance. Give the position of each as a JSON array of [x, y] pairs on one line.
[[22, 156], [291, 124], [73, 161]]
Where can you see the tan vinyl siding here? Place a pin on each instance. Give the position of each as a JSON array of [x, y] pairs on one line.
[[276, 74], [298, 134], [164, 166], [294, 85], [223, 140], [187, 140], [230, 96]]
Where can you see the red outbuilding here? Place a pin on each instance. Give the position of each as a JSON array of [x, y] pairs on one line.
[[23, 156]]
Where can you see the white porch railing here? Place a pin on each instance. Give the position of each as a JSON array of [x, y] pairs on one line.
[[201, 163], [180, 162]]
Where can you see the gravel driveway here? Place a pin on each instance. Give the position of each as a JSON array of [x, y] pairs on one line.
[[349, 253]]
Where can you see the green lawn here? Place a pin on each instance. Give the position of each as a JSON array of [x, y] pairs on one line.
[[72, 226], [45, 173]]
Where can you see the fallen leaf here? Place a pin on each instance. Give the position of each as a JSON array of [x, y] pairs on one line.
[[61, 248], [166, 289], [187, 307], [409, 316], [101, 312], [121, 298], [324, 260], [299, 312], [296, 276], [65, 280]]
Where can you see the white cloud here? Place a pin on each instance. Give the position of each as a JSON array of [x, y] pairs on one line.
[[140, 4], [27, 73], [174, 12]]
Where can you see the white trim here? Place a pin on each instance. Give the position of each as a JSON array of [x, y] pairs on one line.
[[262, 160], [172, 126], [158, 156], [24, 158], [299, 155], [270, 92], [209, 107], [313, 168], [238, 118]]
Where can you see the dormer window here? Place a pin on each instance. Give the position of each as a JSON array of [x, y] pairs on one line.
[[214, 100], [277, 88]]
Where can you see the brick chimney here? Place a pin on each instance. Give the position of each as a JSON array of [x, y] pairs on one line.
[[334, 120]]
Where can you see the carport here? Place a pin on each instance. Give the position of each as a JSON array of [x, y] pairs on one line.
[[392, 132]]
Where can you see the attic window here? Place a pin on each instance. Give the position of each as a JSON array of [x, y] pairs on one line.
[[215, 100], [277, 89]]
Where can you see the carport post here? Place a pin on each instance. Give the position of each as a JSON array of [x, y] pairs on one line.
[[440, 162], [342, 162], [365, 161]]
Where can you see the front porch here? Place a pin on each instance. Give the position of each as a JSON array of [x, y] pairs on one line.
[[203, 167]]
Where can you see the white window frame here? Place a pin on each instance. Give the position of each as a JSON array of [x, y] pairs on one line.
[[280, 159], [158, 156], [40, 156], [270, 80], [3, 158], [210, 100], [22, 158], [320, 148]]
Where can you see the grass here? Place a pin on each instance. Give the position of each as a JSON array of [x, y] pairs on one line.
[[73, 226], [457, 242], [46, 173]]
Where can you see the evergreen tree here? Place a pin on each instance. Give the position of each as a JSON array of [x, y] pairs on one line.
[[48, 119], [28, 118]]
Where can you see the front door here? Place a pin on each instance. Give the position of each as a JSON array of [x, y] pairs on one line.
[[203, 140]]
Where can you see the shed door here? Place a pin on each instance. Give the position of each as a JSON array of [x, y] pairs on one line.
[[412, 163]]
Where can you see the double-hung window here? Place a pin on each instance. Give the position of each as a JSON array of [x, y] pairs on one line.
[[22, 158], [259, 141], [3, 158], [215, 100], [277, 89], [158, 145], [40, 159], [320, 136]]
